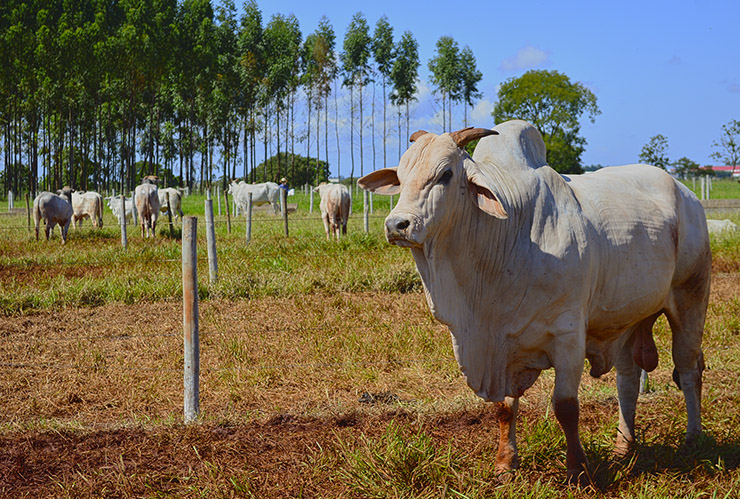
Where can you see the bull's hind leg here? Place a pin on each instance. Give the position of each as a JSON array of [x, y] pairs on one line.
[[628, 389], [686, 317]]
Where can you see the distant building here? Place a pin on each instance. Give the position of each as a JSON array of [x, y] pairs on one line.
[[725, 171]]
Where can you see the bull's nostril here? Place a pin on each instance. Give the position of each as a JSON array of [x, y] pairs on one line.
[[403, 224]]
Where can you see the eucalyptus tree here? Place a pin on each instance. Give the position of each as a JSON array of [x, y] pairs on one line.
[[226, 91], [326, 64], [383, 53], [282, 38], [309, 79], [404, 75], [470, 76], [355, 66], [445, 72], [252, 69]]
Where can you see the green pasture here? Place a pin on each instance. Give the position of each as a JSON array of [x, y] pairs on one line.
[[327, 278]]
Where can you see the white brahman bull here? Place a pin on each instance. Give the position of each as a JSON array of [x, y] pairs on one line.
[[114, 203], [268, 192], [87, 204], [334, 208], [53, 209], [532, 270], [147, 206], [175, 201]]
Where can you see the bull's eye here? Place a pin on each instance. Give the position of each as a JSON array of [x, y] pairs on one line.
[[445, 178]]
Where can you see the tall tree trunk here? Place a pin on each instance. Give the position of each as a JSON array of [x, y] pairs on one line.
[[336, 130]]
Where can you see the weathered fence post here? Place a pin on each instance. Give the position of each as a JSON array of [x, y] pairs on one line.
[[191, 357], [310, 206], [644, 382], [218, 196], [124, 239], [169, 216], [211, 240], [284, 203], [249, 217], [366, 211], [28, 213], [228, 213], [133, 202], [10, 201], [371, 202]]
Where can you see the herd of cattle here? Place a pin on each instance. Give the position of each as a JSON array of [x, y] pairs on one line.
[[67, 207]]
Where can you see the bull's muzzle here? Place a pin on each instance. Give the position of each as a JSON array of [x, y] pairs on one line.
[[400, 230]]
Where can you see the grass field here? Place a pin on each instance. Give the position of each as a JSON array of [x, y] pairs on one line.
[[323, 374]]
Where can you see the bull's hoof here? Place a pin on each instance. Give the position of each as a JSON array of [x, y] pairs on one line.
[[578, 477], [504, 475]]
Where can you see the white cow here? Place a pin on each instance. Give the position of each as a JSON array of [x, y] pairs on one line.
[[87, 204], [532, 270], [175, 201], [114, 203], [147, 206], [721, 226], [53, 209], [268, 192], [334, 208]]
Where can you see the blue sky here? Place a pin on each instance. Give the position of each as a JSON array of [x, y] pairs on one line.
[[656, 67]]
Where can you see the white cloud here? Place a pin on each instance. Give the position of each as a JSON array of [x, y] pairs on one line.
[[480, 116], [527, 57]]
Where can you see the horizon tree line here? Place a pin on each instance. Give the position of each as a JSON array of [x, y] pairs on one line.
[[98, 94]]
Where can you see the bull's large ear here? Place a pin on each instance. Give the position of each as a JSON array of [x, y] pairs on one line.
[[483, 196], [383, 181]]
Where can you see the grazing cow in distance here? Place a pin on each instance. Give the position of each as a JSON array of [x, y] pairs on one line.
[[532, 270], [87, 204], [114, 203], [268, 192], [54, 209], [721, 226], [147, 206], [175, 201], [334, 208]]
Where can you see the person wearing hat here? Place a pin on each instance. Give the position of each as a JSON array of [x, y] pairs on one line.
[[284, 185]]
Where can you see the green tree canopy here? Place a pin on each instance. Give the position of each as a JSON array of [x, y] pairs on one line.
[[728, 146], [655, 152], [553, 104], [304, 171], [688, 168]]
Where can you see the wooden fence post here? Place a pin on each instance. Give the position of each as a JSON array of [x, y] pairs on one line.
[[284, 203], [366, 211], [249, 217], [28, 213], [310, 206], [124, 239], [191, 357], [218, 197], [228, 213], [211, 240]]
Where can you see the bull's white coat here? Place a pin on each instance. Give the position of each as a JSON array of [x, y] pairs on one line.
[[267, 192], [87, 204], [53, 210], [147, 206], [334, 207], [175, 201], [558, 269], [114, 203]]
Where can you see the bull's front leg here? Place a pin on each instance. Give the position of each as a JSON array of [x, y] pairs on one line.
[[507, 458], [568, 369]]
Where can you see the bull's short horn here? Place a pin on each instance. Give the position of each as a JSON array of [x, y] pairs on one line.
[[416, 135], [462, 137]]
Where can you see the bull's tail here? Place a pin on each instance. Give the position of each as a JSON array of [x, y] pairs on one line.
[[36, 218]]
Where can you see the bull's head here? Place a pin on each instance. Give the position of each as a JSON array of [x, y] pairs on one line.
[[434, 178]]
